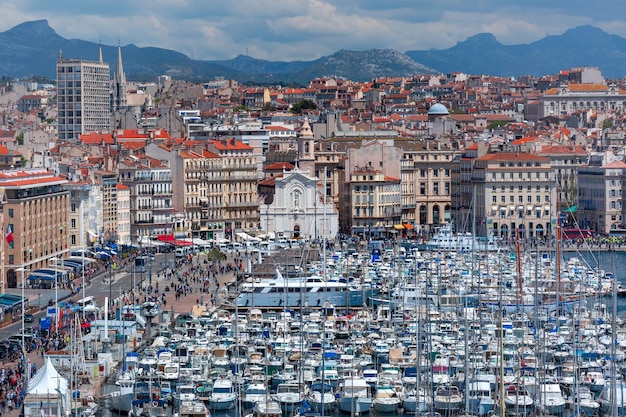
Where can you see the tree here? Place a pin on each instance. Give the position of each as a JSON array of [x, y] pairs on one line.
[[239, 108], [269, 107], [303, 104], [496, 124]]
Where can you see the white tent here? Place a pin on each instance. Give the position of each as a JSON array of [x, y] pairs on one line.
[[247, 238], [47, 389]]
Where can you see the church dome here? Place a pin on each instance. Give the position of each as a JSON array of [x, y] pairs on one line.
[[438, 109]]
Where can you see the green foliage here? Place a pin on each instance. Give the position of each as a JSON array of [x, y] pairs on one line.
[[240, 108], [20, 138], [268, 107], [215, 255], [496, 124], [607, 124], [303, 104]]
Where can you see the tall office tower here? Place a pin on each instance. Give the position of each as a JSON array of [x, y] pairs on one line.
[[83, 97]]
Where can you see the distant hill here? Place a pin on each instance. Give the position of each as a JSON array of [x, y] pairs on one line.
[[578, 47], [32, 48]]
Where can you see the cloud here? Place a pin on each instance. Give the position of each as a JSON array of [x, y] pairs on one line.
[[307, 29]]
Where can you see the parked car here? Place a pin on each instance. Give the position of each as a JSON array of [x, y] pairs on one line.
[[28, 318]]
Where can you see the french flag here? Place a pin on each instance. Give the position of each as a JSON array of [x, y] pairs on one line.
[[9, 236]]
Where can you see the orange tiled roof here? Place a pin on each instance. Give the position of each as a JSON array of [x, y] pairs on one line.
[[270, 182], [122, 187], [96, 138], [587, 87], [615, 164], [131, 134], [562, 149], [231, 144], [512, 156], [134, 144], [208, 154], [279, 166], [522, 141]]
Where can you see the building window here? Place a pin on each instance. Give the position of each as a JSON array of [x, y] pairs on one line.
[[10, 213], [73, 223], [422, 188], [73, 207], [436, 188]]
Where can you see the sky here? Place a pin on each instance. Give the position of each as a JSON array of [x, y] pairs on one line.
[[290, 30]]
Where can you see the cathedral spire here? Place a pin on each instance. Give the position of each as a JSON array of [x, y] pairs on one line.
[[119, 80]]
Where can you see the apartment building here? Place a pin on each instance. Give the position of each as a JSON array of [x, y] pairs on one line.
[[124, 236], [83, 97], [82, 219], [374, 202], [106, 181], [36, 211], [600, 194], [508, 194], [150, 184], [240, 205], [426, 185], [569, 98]]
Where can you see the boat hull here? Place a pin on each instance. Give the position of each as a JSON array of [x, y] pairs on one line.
[[356, 405], [121, 403]]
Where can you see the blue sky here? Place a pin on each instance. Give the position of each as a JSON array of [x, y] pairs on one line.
[[307, 29]]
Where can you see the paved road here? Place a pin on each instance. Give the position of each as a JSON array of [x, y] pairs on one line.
[[99, 287]]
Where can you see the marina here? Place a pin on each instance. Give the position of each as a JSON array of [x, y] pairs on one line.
[[395, 331]]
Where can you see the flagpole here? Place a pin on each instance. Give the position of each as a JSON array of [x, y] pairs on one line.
[[3, 250]]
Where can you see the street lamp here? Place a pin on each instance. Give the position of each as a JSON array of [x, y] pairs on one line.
[[22, 305], [56, 294], [110, 282]]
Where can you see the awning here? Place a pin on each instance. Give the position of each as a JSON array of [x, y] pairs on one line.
[[166, 238], [41, 277], [398, 227], [179, 242], [407, 226]]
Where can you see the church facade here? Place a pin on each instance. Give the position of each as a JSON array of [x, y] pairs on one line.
[[299, 210]]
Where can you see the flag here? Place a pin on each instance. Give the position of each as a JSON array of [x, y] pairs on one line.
[[9, 236]]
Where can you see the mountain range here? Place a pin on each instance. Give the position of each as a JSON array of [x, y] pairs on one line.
[[32, 48]]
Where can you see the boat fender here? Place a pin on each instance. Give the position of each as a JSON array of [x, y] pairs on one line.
[[155, 403]]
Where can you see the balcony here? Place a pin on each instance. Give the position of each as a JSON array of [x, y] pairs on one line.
[[240, 205]]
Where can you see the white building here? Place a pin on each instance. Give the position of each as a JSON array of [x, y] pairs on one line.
[[600, 194], [83, 97], [299, 210]]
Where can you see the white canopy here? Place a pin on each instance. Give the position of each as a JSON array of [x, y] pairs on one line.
[[246, 237], [48, 383]]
